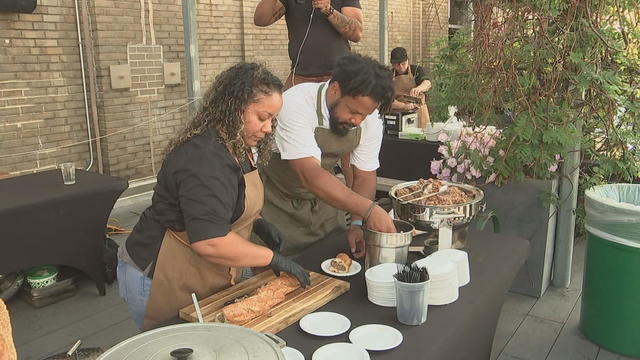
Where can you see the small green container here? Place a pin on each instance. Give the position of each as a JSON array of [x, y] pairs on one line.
[[42, 276]]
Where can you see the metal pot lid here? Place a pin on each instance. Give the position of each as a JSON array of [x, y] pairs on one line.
[[210, 341]]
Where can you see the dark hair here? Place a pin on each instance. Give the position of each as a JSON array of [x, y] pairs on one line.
[[360, 75], [225, 101]]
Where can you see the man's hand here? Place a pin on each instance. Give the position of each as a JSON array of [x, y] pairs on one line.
[[355, 237], [415, 92], [322, 5], [410, 106], [379, 220]]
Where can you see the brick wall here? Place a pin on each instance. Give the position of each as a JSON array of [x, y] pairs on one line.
[[41, 97]]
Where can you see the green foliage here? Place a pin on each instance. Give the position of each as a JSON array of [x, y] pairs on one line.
[[549, 74]]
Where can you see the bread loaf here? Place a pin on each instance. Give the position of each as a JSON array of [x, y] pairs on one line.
[[341, 264], [7, 348], [266, 297]]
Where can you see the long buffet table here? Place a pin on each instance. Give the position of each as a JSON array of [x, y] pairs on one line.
[[461, 330]]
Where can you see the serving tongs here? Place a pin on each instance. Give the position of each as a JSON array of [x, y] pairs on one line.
[[442, 189], [424, 189]]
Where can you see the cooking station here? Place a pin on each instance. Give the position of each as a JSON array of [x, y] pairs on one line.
[[461, 330]]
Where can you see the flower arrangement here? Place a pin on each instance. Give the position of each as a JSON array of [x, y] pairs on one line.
[[471, 158]]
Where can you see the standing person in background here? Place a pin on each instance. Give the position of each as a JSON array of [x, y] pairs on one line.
[[319, 33], [409, 80]]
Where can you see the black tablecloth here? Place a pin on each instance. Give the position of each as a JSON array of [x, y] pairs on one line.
[[416, 158], [461, 330], [46, 222]]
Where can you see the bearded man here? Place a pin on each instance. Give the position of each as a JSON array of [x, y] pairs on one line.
[[318, 123]]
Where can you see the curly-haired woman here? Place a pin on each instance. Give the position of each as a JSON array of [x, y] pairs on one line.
[[208, 197]]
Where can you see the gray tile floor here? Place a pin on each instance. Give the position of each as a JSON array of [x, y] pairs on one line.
[[529, 328]]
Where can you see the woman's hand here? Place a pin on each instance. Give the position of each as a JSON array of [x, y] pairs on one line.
[[269, 233], [282, 263]]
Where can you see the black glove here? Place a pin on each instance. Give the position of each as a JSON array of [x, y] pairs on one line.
[[269, 233], [282, 263]]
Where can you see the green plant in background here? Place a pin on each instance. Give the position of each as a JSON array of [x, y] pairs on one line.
[[549, 74]]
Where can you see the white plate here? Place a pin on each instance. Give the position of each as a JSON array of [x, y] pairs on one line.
[[340, 351], [325, 323], [381, 274], [376, 337], [292, 354], [354, 269]]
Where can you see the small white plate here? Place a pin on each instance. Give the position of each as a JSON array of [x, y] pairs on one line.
[[376, 337], [292, 354], [340, 351], [325, 323], [354, 269]]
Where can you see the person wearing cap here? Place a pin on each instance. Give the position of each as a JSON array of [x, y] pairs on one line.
[[319, 33], [409, 80], [318, 124]]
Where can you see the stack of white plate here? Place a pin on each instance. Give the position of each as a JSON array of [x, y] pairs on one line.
[[461, 261], [381, 290], [442, 288]]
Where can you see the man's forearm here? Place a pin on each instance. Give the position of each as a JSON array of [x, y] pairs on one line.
[[364, 184], [424, 86], [326, 187], [348, 27]]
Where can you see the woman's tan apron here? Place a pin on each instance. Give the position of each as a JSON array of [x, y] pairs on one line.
[[402, 85], [300, 216], [180, 271]]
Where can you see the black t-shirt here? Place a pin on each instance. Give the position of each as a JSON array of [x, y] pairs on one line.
[[419, 75], [200, 189], [324, 44]]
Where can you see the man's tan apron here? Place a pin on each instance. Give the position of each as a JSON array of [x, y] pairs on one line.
[[180, 271], [300, 216], [402, 85]]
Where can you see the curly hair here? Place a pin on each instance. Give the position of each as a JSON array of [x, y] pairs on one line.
[[224, 103], [360, 75]]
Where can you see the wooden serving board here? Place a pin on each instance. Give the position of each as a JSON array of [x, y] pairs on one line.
[[295, 305]]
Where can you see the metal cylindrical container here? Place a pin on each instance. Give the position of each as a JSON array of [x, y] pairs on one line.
[[388, 247]]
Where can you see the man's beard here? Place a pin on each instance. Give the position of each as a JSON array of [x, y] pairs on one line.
[[335, 125]]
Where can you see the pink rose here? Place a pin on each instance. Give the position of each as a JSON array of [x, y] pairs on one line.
[[443, 137], [452, 162], [557, 157], [444, 150], [490, 160], [435, 166], [445, 174], [492, 177], [454, 178], [475, 172], [553, 167], [461, 168], [501, 153]]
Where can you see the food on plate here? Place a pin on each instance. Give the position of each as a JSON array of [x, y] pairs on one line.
[[455, 195], [265, 298], [341, 264]]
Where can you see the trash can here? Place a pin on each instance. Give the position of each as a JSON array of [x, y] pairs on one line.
[[610, 315]]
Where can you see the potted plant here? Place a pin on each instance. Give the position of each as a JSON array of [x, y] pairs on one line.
[[554, 78]]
